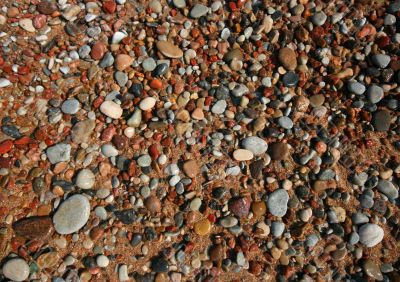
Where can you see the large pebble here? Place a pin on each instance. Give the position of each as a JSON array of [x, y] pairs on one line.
[[27, 25], [58, 153], [82, 130], [287, 57], [242, 155], [277, 202], [111, 109], [72, 214], [256, 145], [381, 60], [16, 269], [147, 103], [169, 50], [388, 188], [198, 11], [370, 234], [4, 82], [85, 179], [381, 120]]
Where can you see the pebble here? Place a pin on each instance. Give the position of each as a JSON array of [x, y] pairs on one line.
[[370, 234], [242, 155], [191, 168], [277, 202], [381, 120], [102, 261], [278, 151], [380, 60], [27, 25], [198, 11], [375, 94], [58, 153], [219, 107], [82, 131], [386, 187], [255, 144], [123, 61], [372, 270], [4, 82], [16, 269], [319, 18], [35, 227], [240, 206], [70, 106], [72, 214], [202, 227], [85, 179], [147, 103], [288, 58], [169, 50], [111, 109], [108, 150]]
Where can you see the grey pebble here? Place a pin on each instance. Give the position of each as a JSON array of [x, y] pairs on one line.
[[277, 202], [58, 153]]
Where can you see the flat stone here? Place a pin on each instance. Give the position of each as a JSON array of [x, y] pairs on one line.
[[277, 228], [147, 103], [278, 151], [35, 227], [370, 234], [111, 109], [70, 106], [98, 50], [58, 153], [198, 11], [82, 130], [27, 25], [169, 50], [372, 270], [242, 155], [191, 168], [381, 120], [85, 179], [288, 58], [72, 214], [202, 227], [277, 202], [388, 188], [16, 269], [144, 161], [256, 145], [290, 79], [285, 122], [317, 100]]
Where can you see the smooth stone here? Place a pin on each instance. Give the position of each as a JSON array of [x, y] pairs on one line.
[[202, 227], [235, 54], [27, 25], [159, 265], [108, 150], [239, 90], [317, 100], [155, 6], [169, 50], [381, 60], [372, 270], [278, 151], [123, 61], [290, 79], [111, 109], [285, 122], [144, 161], [191, 168], [72, 214], [82, 130], [277, 202], [288, 58], [219, 107], [354, 238], [85, 179], [375, 93], [312, 240], [123, 273], [35, 227], [229, 221], [4, 82], [254, 144], [152, 204], [394, 7], [107, 61], [180, 4], [319, 18], [121, 78], [240, 206], [242, 155], [149, 64], [70, 106], [58, 153], [258, 208], [147, 103], [102, 261], [136, 118], [16, 269], [198, 11], [388, 188], [277, 228], [381, 120], [118, 36], [359, 218], [160, 69], [356, 87], [370, 234]]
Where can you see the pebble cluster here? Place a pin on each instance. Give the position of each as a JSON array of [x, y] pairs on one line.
[[181, 140]]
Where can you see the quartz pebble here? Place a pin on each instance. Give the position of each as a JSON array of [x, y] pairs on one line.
[[16, 269], [277, 202], [111, 109], [370, 234]]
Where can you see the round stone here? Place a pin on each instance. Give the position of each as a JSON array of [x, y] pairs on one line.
[[277, 202], [254, 144], [169, 50], [290, 79], [259, 208], [375, 93], [144, 161], [155, 6], [219, 107], [153, 204], [319, 18], [287, 57], [179, 3], [111, 109], [370, 234], [102, 261], [381, 60], [240, 206], [16, 269], [147, 103], [372, 270], [285, 122], [72, 214], [85, 179], [242, 155], [149, 64], [202, 227], [123, 61], [356, 87], [381, 120], [387, 187], [109, 150], [70, 106], [191, 168]]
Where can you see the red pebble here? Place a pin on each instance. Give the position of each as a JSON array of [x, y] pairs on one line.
[[156, 84], [110, 7], [6, 146], [154, 152], [39, 21]]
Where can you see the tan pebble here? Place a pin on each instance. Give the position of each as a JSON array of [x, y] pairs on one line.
[[242, 155], [198, 114], [169, 50], [191, 168], [202, 227], [123, 61]]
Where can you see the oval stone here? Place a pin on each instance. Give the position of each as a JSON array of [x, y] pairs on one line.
[[169, 50], [111, 109], [370, 234]]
